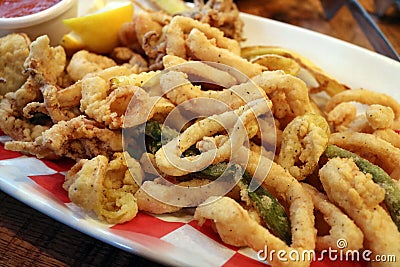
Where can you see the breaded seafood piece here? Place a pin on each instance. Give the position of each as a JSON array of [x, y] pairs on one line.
[[236, 227], [180, 27], [45, 65], [104, 102], [371, 148], [84, 62], [288, 93], [77, 138], [358, 195], [105, 186], [47, 60], [205, 49], [366, 97], [342, 227], [159, 198], [14, 49], [222, 14]]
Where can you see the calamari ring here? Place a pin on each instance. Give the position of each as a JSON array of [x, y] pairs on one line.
[[379, 117], [388, 135], [342, 227], [203, 48], [304, 140], [203, 128], [105, 186], [369, 146], [178, 89], [367, 97], [295, 101], [165, 195], [342, 115], [234, 224]]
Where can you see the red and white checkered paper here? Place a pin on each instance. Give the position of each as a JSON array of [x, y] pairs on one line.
[[180, 232]]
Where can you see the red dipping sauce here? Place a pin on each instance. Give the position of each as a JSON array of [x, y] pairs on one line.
[[20, 8]]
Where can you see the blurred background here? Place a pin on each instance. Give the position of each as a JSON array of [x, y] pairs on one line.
[[309, 14]]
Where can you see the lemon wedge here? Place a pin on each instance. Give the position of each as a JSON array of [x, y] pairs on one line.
[[98, 31]]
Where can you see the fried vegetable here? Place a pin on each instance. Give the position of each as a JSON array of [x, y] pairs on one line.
[[326, 82], [272, 213], [304, 140], [270, 210], [379, 176], [157, 135]]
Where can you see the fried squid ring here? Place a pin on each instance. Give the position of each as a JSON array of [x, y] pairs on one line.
[[288, 93], [236, 227], [284, 186], [204, 49], [180, 26], [342, 227], [105, 186], [165, 195], [379, 117], [234, 224], [367, 97], [178, 89], [372, 148], [304, 140], [169, 159], [359, 197], [341, 116]]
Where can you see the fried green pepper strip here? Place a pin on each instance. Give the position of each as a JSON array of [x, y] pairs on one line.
[[379, 176], [158, 135], [267, 206]]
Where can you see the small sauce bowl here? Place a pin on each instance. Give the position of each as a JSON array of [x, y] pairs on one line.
[[46, 22]]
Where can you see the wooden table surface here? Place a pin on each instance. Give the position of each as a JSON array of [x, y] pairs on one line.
[[29, 238]]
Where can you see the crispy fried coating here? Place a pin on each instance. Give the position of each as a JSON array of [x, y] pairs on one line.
[[304, 140], [288, 93], [106, 187], [356, 193], [342, 227], [372, 148], [287, 189], [14, 49], [169, 159], [367, 97], [379, 117], [159, 198], [205, 49], [180, 26], [78, 138], [101, 101], [84, 62], [236, 227], [178, 89], [341, 116], [222, 14], [45, 65]]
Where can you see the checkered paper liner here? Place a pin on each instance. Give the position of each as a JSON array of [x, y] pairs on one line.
[[170, 239]]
